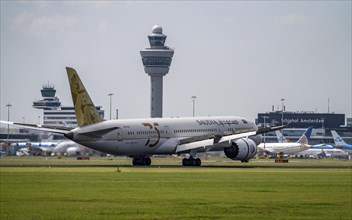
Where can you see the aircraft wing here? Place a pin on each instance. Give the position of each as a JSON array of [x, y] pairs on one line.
[[269, 129], [48, 128], [206, 141]]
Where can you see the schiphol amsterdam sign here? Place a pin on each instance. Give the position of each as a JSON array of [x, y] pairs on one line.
[[301, 120]]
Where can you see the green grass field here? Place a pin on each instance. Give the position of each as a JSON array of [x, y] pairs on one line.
[[174, 193]]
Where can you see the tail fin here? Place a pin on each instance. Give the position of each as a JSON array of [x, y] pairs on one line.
[[280, 137], [86, 112], [337, 139], [304, 139]]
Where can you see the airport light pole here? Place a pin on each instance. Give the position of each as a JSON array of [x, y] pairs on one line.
[[194, 103], [8, 127], [265, 117], [110, 94], [282, 112]]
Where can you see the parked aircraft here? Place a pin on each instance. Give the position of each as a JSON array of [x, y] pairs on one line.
[[287, 148], [323, 151], [142, 138], [320, 150], [340, 143], [71, 148]]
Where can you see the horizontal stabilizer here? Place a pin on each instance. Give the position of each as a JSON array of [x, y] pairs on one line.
[[48, 128]]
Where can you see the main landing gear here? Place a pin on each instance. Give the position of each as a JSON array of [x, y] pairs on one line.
[[141, 161], [191, 162]]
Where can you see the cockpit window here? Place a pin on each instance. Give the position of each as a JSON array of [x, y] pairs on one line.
[[244, 121]]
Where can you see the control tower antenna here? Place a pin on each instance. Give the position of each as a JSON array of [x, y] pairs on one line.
[[156, 61]]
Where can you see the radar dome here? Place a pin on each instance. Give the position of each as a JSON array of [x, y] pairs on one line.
[[157, 29]]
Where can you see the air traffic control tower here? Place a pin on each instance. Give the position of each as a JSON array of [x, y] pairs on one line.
[[157, 60]]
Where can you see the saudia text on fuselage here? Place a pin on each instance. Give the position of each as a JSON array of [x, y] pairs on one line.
[[217, 122]]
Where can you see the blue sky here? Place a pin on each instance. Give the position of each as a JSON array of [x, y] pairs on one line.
[[237, 57]]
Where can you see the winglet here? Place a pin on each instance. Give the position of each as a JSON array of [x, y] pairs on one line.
[[86, 112]]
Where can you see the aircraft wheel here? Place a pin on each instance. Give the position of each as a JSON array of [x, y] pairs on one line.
[[134, 162], [198, 162], [191, 162], [147, 161]]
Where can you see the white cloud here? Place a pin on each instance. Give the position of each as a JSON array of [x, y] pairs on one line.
[[41, 25], [55, 22], [22, 19], [290, 19], [97, 4], [103, 27]]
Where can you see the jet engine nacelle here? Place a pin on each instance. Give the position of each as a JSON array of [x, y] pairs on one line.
[[241, 149]]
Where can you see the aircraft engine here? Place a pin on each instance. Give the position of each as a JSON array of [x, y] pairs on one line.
[[242, 149]]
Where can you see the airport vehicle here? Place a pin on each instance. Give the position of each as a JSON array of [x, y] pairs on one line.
[[287, 148], [142, 138], [340, 143]]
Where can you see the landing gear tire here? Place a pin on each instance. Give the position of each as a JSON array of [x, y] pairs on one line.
[[191, 162], [141, 161], [147, 161]]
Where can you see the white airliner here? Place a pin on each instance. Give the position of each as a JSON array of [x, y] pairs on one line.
[[71, 148], [142, 138], [287, 148]]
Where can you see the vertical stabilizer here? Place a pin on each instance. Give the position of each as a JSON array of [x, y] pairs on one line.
[[304, 139], [280, 137], [86, 112], [337, 139]]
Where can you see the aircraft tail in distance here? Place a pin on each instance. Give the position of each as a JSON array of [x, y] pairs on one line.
[[280, 137], [304, 139], [86, 112], [337, 139]]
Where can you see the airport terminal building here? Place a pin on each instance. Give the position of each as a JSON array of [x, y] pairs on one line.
[[54, 114], [322, 123], [302, 119]]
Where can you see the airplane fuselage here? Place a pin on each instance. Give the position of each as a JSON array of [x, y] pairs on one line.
[[287, 148], [156, 135]]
